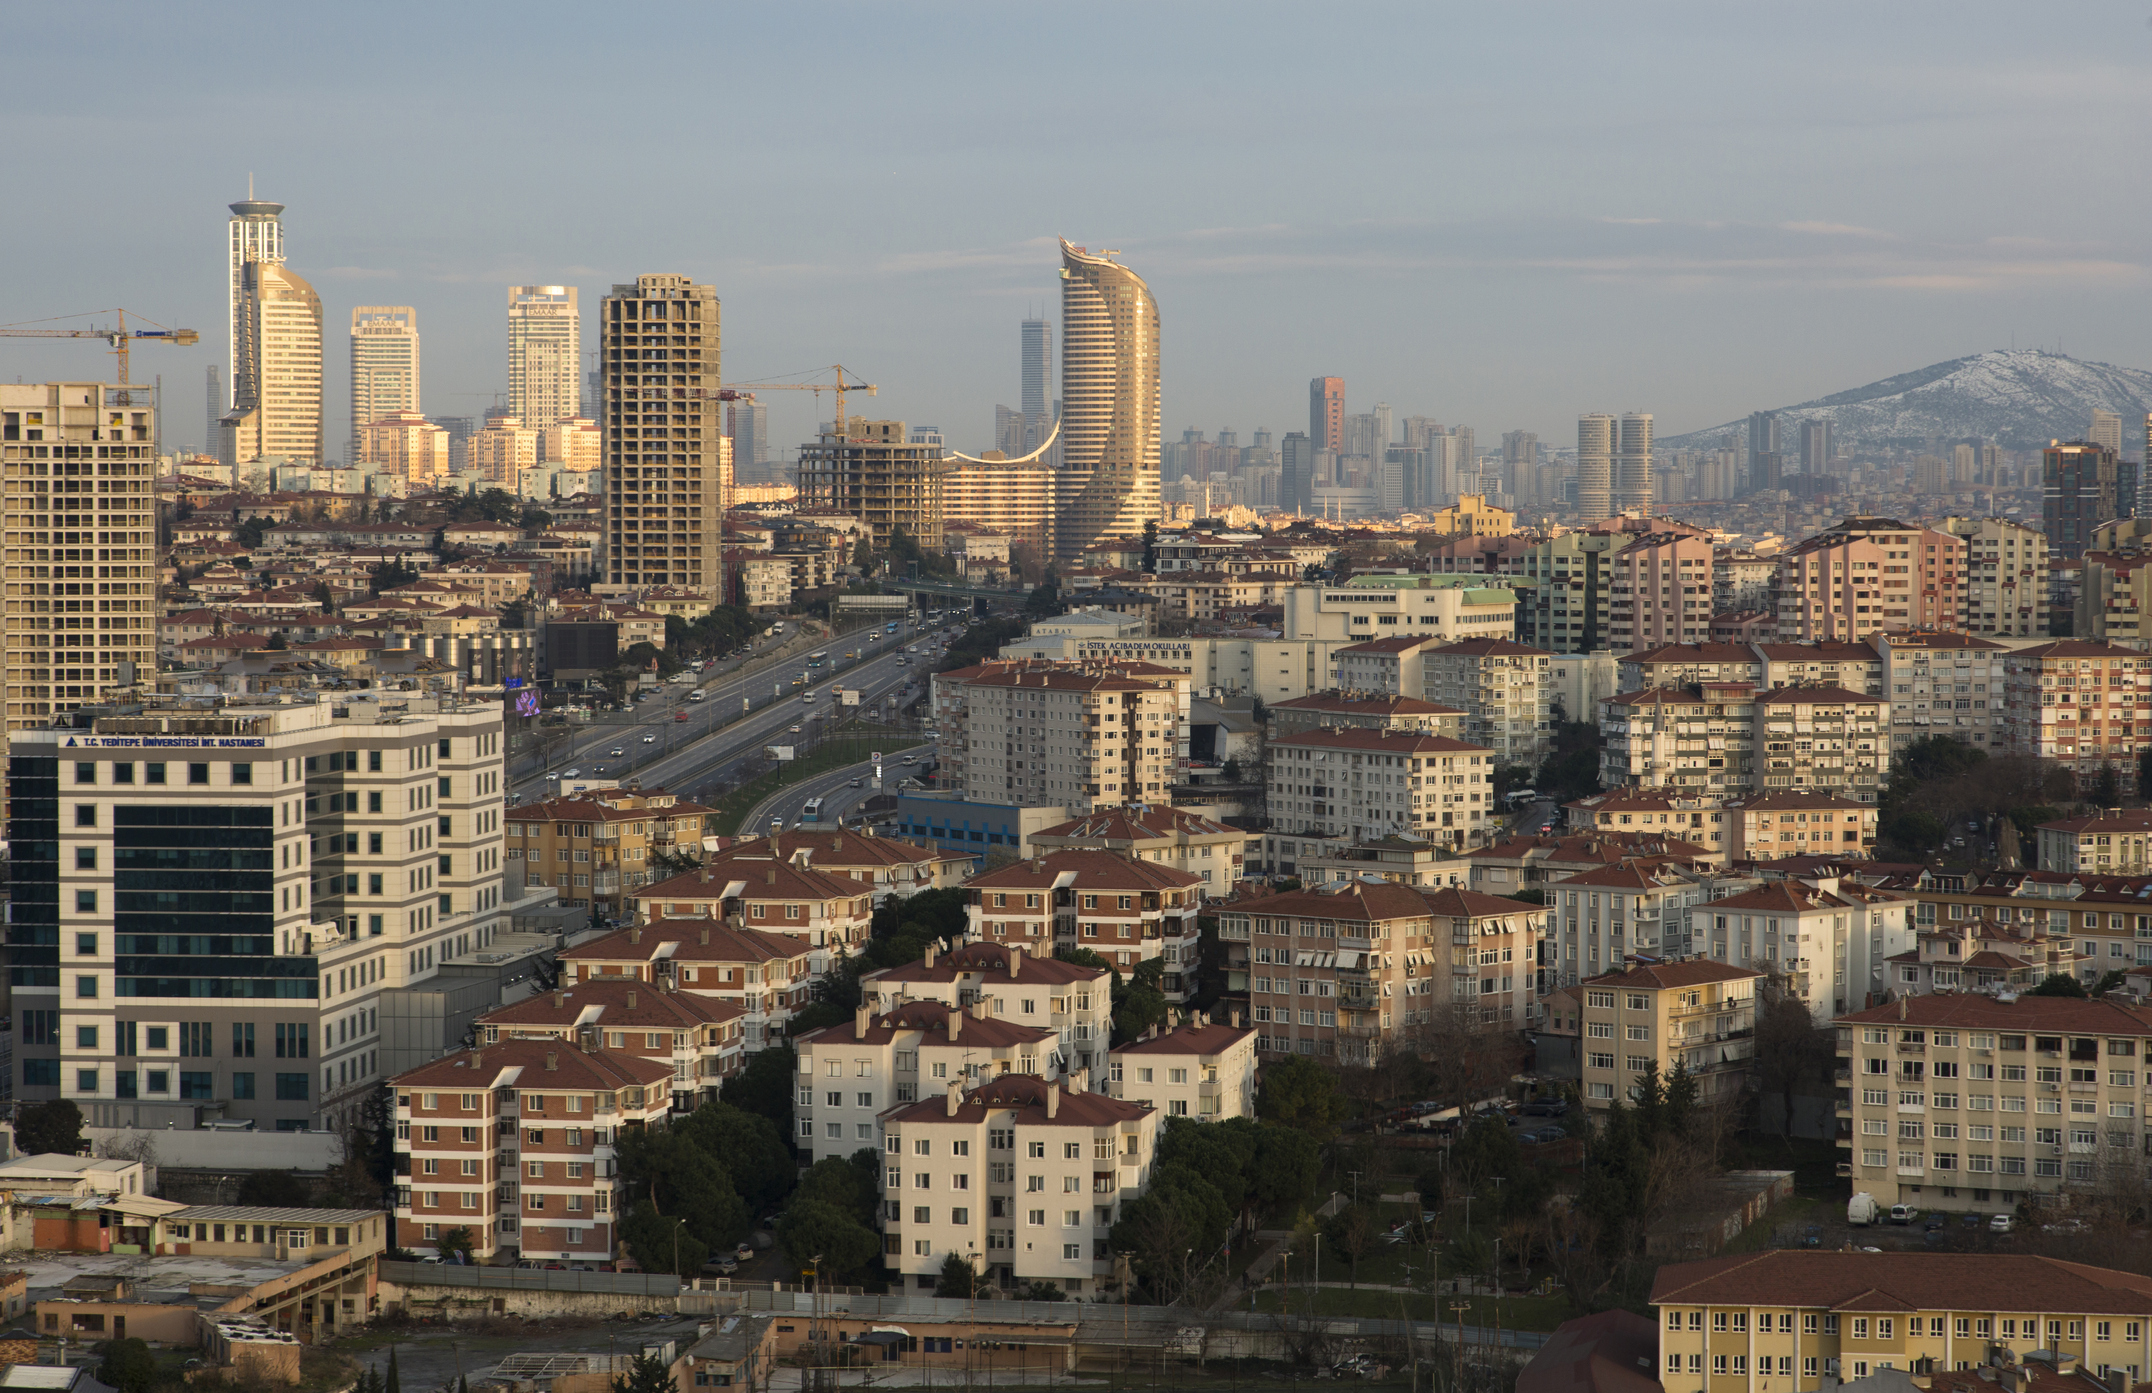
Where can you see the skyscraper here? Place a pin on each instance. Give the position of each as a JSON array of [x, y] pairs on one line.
[[1632, 464], [213, 429], [384, 366], [1109, 401], [276, 388], [665, 498], [1296, 472], [1595, 467], [2107, 430], [2079, 483], [256, 233], [1383, 429], [748, 423], [1815, 445], [1038, 366], [1326, 413], [1762, 440], [545, 341]]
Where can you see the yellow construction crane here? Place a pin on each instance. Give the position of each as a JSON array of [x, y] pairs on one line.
[[119, 338], [745, 391]]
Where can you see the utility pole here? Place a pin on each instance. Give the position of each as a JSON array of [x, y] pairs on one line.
[[1460, 1307]]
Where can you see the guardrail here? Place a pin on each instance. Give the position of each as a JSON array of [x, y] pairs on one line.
[[441, 1274]]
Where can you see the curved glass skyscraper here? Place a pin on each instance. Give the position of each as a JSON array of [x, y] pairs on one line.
[[1109, 402]]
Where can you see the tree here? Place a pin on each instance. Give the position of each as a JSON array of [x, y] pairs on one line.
[[388, 575], [127, 1365], [324, 597], [765, 1085], [748, 1145], [394, 1382], [49, 1128], [1298, 1092], [815, 1228], [1150, 547], [1044, 601], [648, 1374], [454, 1245], [959, 1278], [278, 643], [1172, 1228], [663, 1242], [1470, 1058], [2059, 984], [251, 532], [274, 1190], [1571, 768], [1790, 1050], [2106, 789], [1352, 1232], [1287, 1161], [1041, 1291], [677, 1178], [1143, 1004]]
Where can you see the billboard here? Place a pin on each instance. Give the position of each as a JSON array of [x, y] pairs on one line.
[[527, 703], [780, 753]]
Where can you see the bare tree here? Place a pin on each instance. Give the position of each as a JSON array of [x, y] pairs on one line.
[[1466, 1058], [1791, 1049]]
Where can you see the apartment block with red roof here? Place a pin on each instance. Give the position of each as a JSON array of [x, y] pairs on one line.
[[1766, 826], [1828, 937], [1199, 1068], [1602, 916], [849, 1075], [769, 976], [515, 1142], [1968, 1102], [1660, 586], [700, 1036], [1021, 1176], [2117, 841], [1359, 784], [829, 915], [1188, 841], [1503, 688], [1127, 912], [1387, 665], [2085, 705], [1522, 863], [1017, 984], [893, 866]]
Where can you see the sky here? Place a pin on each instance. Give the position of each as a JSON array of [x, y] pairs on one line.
[[1498, 216]]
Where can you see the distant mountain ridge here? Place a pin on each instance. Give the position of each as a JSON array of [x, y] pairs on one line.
[[2019, 398]]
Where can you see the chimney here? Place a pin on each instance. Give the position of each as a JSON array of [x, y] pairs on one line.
[[478, 1057], [930, 955], [859, 1024], [1016, 960], [1235, 1016], [552, 1062], [1078, 1080], [956, 1022], [1901, 1008], [560, 1001], [1053, 1101], [978, 1009], [631, 1000], [704, 935], [773, 875], [956, 1096]]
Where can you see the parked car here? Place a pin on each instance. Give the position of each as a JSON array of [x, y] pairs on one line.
[[1999, 1223], [743, 1252], [1903, 1213]]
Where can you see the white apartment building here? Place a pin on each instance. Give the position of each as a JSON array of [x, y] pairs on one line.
[[849, 1075], [2005, 577], [1072, 1001], [1196, 1068], [1020, 1176], [1504, 689], [1727, 737], [211, 901], [1830, 939], [545, 355], [1205, 848], [384, 367], [1943, 684], [79, 459], [1639, 908], [1078, 739], [1363, 784], [2114, 842], [1970, 1102]]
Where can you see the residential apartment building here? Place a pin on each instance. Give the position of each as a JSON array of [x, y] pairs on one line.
[[1187, 841], [1071, 1000], [1695, 1016], [598, 848], [1943, 684], [1023, 1177], [1504, 690], [769, 976], [1661, 591], [1965, 1102], [1079, 739], [404, 444], [1388, 665], [1870, 574], [1731, 738], [516, 1144], [1767, 826], [545, 356], [896, 868], [1636, 907], [2106, 843], [503, 452], [1363, 712], [1741, 579], [1829, 938], [849, 1075], [355, 845], [1983, 957], [80, 460], [2080, 703], [1127, 912], [700, 1037], [1961, 1315], [2005, 577], [384, 366], [1520, 863], [829, 913], [1823, 738], [1363, 784], [1193, 1068], [2097, 919], [665, 499], [1342, 971], [1569, 596]]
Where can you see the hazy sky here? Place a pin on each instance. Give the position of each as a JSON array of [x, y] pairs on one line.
[[1499, 216]]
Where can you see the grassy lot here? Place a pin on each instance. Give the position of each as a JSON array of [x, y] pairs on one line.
[[851, 748], [1517, 1312]]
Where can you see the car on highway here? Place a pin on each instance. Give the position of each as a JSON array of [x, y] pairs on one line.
[[795, 730], [807, 697], [616, 752], [679, 715], [552, 778], [652, 739], [571, 773], [854, 784]]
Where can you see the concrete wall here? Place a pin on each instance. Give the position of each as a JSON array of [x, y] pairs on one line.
[[116, 1320]]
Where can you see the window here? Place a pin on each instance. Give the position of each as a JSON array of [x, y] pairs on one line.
[[292, 1087]]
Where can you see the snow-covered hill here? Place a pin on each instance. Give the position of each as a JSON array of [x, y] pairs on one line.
[[2019, 398]]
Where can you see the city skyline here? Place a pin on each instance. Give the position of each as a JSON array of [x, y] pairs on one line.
[[1742, 236]]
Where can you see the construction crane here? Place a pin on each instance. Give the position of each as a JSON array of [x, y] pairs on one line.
[[119, 338], [745, 391]]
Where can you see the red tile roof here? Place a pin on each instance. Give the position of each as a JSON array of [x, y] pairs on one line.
[[540, 1065], [1693, 973], [1900, 1281], [1028, 1096], [932, 1018], [1972, 1010], [615, 1001], [1394, 742], [1189, 1038]]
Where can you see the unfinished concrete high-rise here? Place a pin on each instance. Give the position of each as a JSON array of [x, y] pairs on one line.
[[873, 471], [664, 447]]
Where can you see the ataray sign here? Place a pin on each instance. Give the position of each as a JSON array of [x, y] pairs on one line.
[[167, 742]]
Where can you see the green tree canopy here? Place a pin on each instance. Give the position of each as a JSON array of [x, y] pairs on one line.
[[54, 1127], [2059, 984], [747, 1145], [648, 1374], [959, 1279], [814, 1228], [127, 1365], [1298, 1092], [764, 1087], [679, 1176]]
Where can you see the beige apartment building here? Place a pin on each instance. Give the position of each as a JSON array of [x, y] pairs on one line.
[[1019, 499], [1767, 826], [700, 1037], [503, 451], [516, 1143], [1022, 1177], [1364, 712], [1017, 984], [2005, 577], [405, 444], [1205, 848], [1943, 684], [545, 355], [1502, 687], [1361, 784], [1867, 575], [80, 460], [664, 497], [1729, 738], [2106, 843], [1827, 936], [1699, 1016], [1193, 1068], [1127, 912], [1660, 592], [1081, 739], [769, 976], [1636, 906], [597, 848], [849, 1075], [2082, 704], [384, 366], [1961, 1316], [1968, 1102]]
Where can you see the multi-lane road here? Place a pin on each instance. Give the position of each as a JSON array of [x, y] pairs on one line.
[[659, 750]]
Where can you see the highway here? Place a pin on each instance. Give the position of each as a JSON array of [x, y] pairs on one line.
[[686, 757], [834, 788]]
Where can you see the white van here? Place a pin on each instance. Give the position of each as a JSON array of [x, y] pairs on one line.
[[695, 696]]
